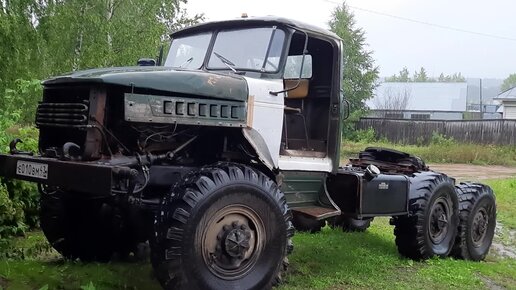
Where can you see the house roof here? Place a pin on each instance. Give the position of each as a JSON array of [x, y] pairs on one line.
[[508, 95]]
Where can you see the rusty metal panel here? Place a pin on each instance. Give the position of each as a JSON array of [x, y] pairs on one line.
[[93, 143], [317, 212], [192, 111]]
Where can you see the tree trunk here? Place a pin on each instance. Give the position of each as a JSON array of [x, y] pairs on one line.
[[110, 11], [78, 45]]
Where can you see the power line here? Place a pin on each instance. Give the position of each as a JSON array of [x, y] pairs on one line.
[[426, 23]]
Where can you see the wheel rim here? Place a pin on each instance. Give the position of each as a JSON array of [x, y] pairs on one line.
[[232, 241], [479, 227], [439, 220]]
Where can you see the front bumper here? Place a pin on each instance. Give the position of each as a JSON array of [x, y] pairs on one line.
[[87, 177]]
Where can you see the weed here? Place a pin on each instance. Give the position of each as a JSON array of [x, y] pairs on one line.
[[441, 140], [443, 150], [90, 286]]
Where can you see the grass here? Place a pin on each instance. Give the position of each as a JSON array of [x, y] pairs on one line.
[[330, 259], [56, 274], [447, 152], [505, 190], [370, 261]]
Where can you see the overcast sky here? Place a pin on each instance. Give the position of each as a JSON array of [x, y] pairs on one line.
[[396, 42]]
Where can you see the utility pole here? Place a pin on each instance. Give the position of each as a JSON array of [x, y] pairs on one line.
[[481, 101]]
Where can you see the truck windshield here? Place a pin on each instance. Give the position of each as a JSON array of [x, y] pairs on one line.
[[251, 49], [255, 49], [189, 51]]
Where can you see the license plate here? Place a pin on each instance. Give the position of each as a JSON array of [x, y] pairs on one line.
[[32, 169]]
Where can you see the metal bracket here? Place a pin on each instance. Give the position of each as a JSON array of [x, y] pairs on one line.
[[14, 151]]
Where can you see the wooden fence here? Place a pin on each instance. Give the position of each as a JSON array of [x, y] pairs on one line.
[[499, 132]]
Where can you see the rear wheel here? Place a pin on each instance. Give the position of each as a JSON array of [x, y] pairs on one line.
[[303, 223], [349, 224], [477, 221], [226, 226], [431, 227], [86, 229]]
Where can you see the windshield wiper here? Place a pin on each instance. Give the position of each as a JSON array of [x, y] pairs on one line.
[[226, 62], [187, 62]]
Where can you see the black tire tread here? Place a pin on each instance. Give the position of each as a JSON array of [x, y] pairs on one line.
[[468, 193], [348, 224], [186, 195], [305, 224], [408, 230], [74, 228]]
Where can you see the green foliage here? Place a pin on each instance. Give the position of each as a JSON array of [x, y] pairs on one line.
[[362, 136], [19, 103], [446, 152], [505, 191], [349, 130], [455, 78], [403, 77], [422, 76], [360, 74], [44, 38], [441, 140], [18, 200], [20, 53], [509, 82], [89, 286]]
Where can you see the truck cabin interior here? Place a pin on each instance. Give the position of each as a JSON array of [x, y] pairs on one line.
[[307, 107]]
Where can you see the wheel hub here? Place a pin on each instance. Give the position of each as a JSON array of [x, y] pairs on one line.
[[479, 228], [237, 239], [438, 223], [232, 241]]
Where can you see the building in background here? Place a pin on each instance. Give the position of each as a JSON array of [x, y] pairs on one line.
[[508, 103], [432, 101]]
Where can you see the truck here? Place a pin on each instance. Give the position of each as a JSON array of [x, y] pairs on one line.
[[218, 152]]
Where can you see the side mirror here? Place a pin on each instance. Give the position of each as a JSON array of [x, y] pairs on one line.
[[146, 62]]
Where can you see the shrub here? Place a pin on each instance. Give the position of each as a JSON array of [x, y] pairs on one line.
[[362, 136], [441, 140], [19, 200], [18, 104]]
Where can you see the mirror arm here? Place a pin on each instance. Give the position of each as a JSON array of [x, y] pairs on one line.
[[348, 109], [160, 56]]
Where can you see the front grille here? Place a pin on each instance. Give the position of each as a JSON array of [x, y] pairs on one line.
[[70, 115]]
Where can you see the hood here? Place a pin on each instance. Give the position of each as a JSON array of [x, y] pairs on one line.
[[200, 83]]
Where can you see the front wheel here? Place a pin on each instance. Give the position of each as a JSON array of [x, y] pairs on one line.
[[85, 229], [431, 227], [224, 227]]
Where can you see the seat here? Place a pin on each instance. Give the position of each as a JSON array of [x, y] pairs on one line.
[[300, 92]]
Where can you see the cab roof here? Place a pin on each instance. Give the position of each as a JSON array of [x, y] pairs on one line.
[[255, 21]]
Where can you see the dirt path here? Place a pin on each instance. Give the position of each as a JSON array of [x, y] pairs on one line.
[[471, 172]]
